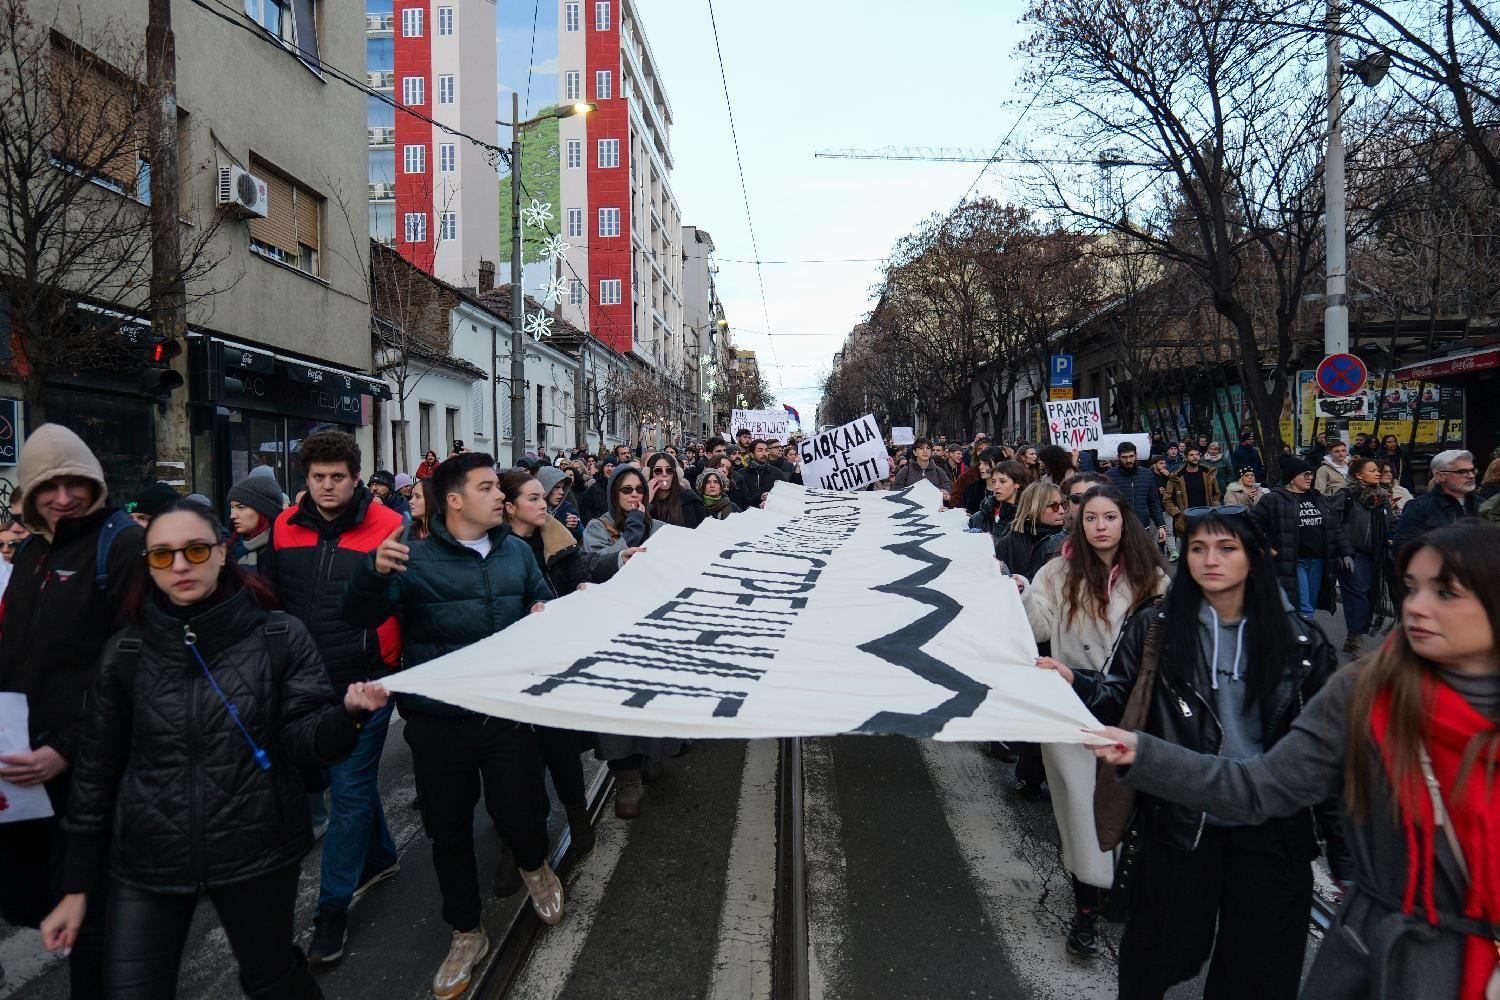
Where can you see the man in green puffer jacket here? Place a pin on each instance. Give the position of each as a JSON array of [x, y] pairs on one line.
[[471, 578]]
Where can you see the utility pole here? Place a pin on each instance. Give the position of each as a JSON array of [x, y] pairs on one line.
[[517, 294], [168, 289], [1336, 308]]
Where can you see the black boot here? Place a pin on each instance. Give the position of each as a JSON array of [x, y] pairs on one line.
[[507, 876], [297, 983], [580, 829]]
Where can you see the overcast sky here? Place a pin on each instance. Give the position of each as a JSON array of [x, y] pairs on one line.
[[806, 75]]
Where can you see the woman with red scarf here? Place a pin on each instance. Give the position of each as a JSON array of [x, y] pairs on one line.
[[1411, 737]]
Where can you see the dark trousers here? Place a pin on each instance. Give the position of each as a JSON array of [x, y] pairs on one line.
[[560, 749], [146, 931], [31, 864], [453, 759], [1239, 882]]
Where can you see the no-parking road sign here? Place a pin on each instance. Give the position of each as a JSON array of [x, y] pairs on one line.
[[1341, 375]]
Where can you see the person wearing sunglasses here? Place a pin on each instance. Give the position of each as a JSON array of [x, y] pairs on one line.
[[1450, 497], [68, 587], [186, 781], [1236, 667], [667, 497], [609, 542], [12, 535], [1041, 513]]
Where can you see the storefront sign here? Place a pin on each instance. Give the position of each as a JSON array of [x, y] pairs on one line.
[[10, 431]]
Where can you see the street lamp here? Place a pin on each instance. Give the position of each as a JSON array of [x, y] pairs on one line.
[[517, 289]]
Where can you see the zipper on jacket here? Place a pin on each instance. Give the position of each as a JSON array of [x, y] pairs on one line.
[[195, 762]]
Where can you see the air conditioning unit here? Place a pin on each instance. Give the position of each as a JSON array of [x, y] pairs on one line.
[[242, 193]]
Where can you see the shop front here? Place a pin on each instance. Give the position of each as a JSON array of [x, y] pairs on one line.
[[253, 406], [1477, 374]]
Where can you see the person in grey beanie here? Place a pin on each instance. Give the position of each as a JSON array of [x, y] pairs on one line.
[[559, 504], [254, 503]]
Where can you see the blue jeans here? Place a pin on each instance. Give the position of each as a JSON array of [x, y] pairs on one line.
[[1355, 588], [357, 836], [1309, 580]]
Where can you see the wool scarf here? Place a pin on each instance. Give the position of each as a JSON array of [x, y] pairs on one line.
[[1474, 811]]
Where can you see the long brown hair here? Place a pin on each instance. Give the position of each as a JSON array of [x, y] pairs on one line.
[[1089, 580], [666, 508], [419, 525], [616, 509], [1470, 553]]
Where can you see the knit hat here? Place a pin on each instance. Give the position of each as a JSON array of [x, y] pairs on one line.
[[1244, 469], [549, 476], [1292, 467], [260, 493], [52, 451], [154, 499], [705, 475], [384, 478], [402, 481]]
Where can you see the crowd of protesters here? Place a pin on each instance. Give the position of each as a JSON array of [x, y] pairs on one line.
[[206, 701]]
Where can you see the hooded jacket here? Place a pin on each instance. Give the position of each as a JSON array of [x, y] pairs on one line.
[[1139, 487], [54, 620], [560, 557], [448, 598], [725, 506], [309, 560], [549, 476], [1330, 478]]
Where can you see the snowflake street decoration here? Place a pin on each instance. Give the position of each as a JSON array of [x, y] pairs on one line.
[[555, 248], [553, 292], [537, 326], [538, 214]]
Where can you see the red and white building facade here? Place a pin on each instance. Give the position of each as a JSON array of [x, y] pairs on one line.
[[434, 196], [618, 213]]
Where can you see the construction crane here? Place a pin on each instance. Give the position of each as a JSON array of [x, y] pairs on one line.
[[949, 154]]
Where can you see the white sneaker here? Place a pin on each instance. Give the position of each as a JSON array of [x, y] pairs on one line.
[[453, 976], [546, 893]]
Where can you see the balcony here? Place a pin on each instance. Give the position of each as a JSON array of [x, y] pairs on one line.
[[379, 25], [382, 192], [381, 137], [383, 80]]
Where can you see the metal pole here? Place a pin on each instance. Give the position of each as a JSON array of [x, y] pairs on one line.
[[1336, 309], [517, 294]]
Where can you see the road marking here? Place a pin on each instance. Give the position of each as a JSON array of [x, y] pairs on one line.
[[24, 959], [742, 962], [1020, 882], [558, 948], [827, 872]]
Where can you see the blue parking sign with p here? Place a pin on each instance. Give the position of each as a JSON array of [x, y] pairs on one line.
[[1062, 371]]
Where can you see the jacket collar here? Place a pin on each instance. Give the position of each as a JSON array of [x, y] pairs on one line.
[[70, 528], [219, 626], [307, 514], [437, 529], [556, 539]]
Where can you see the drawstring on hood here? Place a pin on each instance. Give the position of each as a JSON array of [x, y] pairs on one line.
[[1239, 647]]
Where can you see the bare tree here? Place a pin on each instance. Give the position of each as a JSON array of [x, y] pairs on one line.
[[76, 149]]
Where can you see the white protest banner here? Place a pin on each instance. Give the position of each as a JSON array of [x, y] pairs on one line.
[[768, 425], [1109, 445], [845, 458], [903, 435], [18, 802], [1075, 423], [823, 613]]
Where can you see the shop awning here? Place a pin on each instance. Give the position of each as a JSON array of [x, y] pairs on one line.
[[1453, 365], [259, 359]]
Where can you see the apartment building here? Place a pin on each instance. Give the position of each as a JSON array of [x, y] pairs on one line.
[[618, 212], [705, 329], [433, 194]]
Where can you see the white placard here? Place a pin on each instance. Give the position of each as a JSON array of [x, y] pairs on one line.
[[1075, 423], [823, 613], [18, 802], [845, 458], [1109, 445], [903, 435], [766, 425]]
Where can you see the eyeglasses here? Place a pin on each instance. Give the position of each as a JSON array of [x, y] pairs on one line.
[[12, 545], [1461, 472], [1228, 510], [632, 489], [197, 554], [1056, 505]]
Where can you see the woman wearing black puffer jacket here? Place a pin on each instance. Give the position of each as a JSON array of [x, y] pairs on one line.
[[200, 796]]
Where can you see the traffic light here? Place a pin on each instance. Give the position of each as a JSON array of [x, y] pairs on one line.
[[160, 378]]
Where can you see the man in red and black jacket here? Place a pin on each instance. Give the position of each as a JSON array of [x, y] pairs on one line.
[[315, 546]]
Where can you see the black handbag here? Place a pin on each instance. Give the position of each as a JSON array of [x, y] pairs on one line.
[[1116, 904]]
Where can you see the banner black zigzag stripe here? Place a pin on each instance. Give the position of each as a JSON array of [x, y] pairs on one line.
[[903, 647]]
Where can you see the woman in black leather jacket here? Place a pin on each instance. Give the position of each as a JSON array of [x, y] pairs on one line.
[[1040, 512], [1237, 665], [178, 794]]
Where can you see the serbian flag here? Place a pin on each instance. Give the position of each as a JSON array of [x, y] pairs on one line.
[[791, 411]]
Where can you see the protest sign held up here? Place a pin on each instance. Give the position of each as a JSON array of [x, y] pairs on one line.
[[1075, 423], [903, 435], [767, 425], [844, 458]]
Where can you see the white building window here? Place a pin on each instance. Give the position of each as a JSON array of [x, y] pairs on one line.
[[572, 14], [575, 222], [573, 85], [448, 226], [609, 222], [445, 88], [414, 227], [445, 20], [609, 292], [601, 15], [413, 91], [447, 157], [603, 87], [411, 22], [575, 292], [609, 152], [414, 159], [575, 152]]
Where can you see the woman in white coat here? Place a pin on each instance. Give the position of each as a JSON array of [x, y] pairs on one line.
[[1078, 603]]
